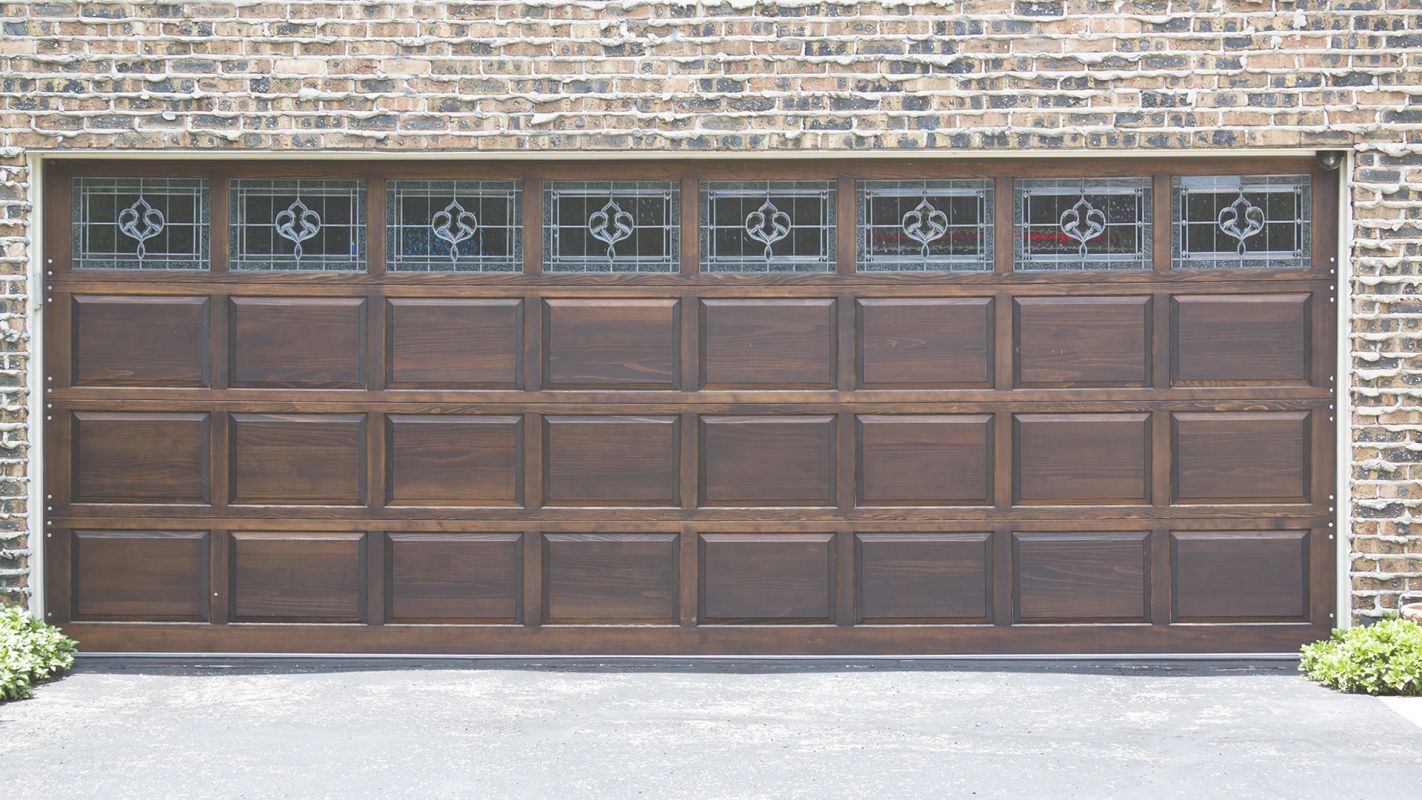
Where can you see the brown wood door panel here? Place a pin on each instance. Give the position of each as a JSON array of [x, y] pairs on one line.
[[924, 578], [1064, 461], [139, 341], [1082, 341], [1082, 458], [453, 460], [612, 344], [454, 344], [610, 578], [1239, 576], [297, 342], [767, 461], [786, 578], [925, 460], [768, 343], [140, 575], [1241, 339], [938, 343], [601, 461], [135, 457], [1081, 577], [1241, 457], [293, 577], [298, 459], [454, 578]]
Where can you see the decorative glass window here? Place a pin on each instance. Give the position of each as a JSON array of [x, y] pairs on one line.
[[298, 225], [1090, 223], [140, 223], [611, 226], [454, 226], [925, 226], [1242, 221], [767, 226]]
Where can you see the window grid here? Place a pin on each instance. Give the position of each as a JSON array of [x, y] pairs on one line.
[[925, 226], [454, 226], [1227, 222], [611, 226], [768, 226], [140, 223], [306, 225], [1083, 224]]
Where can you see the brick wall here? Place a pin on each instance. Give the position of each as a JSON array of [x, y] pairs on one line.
[[737, 75]]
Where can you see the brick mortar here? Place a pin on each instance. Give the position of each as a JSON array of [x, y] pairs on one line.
[[743, 76]]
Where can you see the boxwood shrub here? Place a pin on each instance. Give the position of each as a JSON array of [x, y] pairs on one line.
[[30, 652], [1384, 658]]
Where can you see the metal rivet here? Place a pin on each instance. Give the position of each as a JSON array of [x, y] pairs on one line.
[[1330, 537], [49, 418], [1330, 524], [1332, 259], [1330, 616], [214, 594], [49, 272], [49, 536]]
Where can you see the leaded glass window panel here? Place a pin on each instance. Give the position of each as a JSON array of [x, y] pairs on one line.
[[140, 223], [767, 226], [298, 225], [1235, 221], [454, 226], [925, 226], [611, 226], [1083, 224]]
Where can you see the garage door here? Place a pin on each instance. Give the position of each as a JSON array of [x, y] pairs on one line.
[[705, 408]]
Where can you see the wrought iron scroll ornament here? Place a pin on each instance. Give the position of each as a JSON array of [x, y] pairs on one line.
[[1083, 222], [768, 225], [141, 222], [454, 225], [610, 225], [924, 224], [287, 222], [1241, 210]]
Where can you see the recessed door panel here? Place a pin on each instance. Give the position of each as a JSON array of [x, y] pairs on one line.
[[767, 461], [620, 461], [611, 344], [298, 342], [139, 341], [454, 460], [768, 343], [454, 344], [785, 578], [938, 342]]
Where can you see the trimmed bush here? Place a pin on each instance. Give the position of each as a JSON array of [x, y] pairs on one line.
[[1385, 658], [30, 652]]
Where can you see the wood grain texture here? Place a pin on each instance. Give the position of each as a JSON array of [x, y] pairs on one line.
[[449, 343], [1082, 458], [1082, 341], [454, 578], [924, 460], [297, 342], [449, 460], [787, 578], [936, 342], [1081, 577], [1241, 457], [924, 578], [601, 461], [122, 457], [611, 344], [1241, 339], [758, 343], [610, 577], [139, 341], [767, 461], [1244, 576], [287, 576], [140, 575], [298, 459]]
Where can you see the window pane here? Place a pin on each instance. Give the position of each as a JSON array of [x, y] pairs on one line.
[[767, 226], [925, 225], [298, 225], [1101, 223], [1231, 222], [140, 223], [454, 226], [611, 226]]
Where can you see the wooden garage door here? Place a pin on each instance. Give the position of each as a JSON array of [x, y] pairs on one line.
[[742, 407]]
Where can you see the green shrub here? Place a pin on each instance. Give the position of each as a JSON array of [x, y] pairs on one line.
[[30, 652], [1385, 658]]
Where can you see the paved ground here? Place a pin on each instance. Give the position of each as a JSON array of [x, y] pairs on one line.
[[966, 729]]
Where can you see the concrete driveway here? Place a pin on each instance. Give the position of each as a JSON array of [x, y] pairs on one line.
[[673, 730]]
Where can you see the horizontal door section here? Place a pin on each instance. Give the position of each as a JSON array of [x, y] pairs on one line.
[[852, 461], [1116, 574], [690, 345]]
